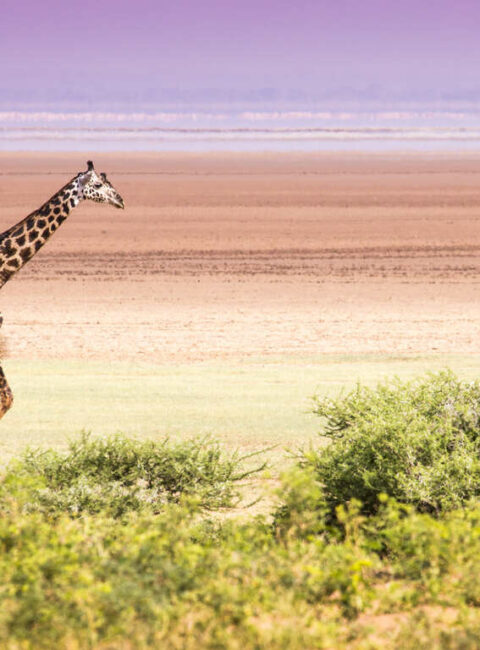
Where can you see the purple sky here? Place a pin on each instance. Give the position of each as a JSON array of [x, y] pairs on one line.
[[119, 50]]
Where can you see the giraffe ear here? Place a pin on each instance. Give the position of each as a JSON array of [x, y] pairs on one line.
[[103, 176]]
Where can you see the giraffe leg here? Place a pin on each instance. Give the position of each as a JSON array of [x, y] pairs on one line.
[[6, 395]]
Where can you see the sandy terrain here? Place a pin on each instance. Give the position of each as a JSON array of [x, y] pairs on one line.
[[244, 255]]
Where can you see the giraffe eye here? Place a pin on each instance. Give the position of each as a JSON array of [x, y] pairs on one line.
[[98, 185]]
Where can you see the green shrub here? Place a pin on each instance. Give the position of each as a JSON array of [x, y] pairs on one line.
[[302, 511], [419, 546], [165, 581], [415, 441], [178, 580], [172, 580], [115, 475], [330, 572]]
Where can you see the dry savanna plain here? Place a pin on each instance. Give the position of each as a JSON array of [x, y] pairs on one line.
[[232, 288]]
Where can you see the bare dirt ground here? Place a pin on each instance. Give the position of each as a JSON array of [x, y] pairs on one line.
[[234, 256]]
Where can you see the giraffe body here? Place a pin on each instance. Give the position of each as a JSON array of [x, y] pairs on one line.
[[19, 243]]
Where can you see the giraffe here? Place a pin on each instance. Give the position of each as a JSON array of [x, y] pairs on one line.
[[19, 243]]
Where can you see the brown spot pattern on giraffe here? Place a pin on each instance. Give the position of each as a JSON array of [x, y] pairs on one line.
[[8, 248]]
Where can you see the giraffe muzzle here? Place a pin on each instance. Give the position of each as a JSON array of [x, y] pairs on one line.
[[118, 202]]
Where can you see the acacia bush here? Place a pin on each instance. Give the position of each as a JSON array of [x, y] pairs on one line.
[[115, 475], [416, 441]]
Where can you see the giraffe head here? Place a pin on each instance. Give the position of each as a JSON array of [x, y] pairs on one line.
[[97, 188]]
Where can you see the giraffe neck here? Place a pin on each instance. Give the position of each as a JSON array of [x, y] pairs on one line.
[[19, 243]]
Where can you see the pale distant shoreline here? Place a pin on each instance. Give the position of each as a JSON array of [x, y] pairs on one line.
[[275, 131], [228, 142]]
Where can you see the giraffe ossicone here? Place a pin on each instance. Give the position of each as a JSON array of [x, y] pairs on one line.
[[19, 243]]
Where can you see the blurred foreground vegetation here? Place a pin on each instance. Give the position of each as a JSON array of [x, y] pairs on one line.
[[373, 540]]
